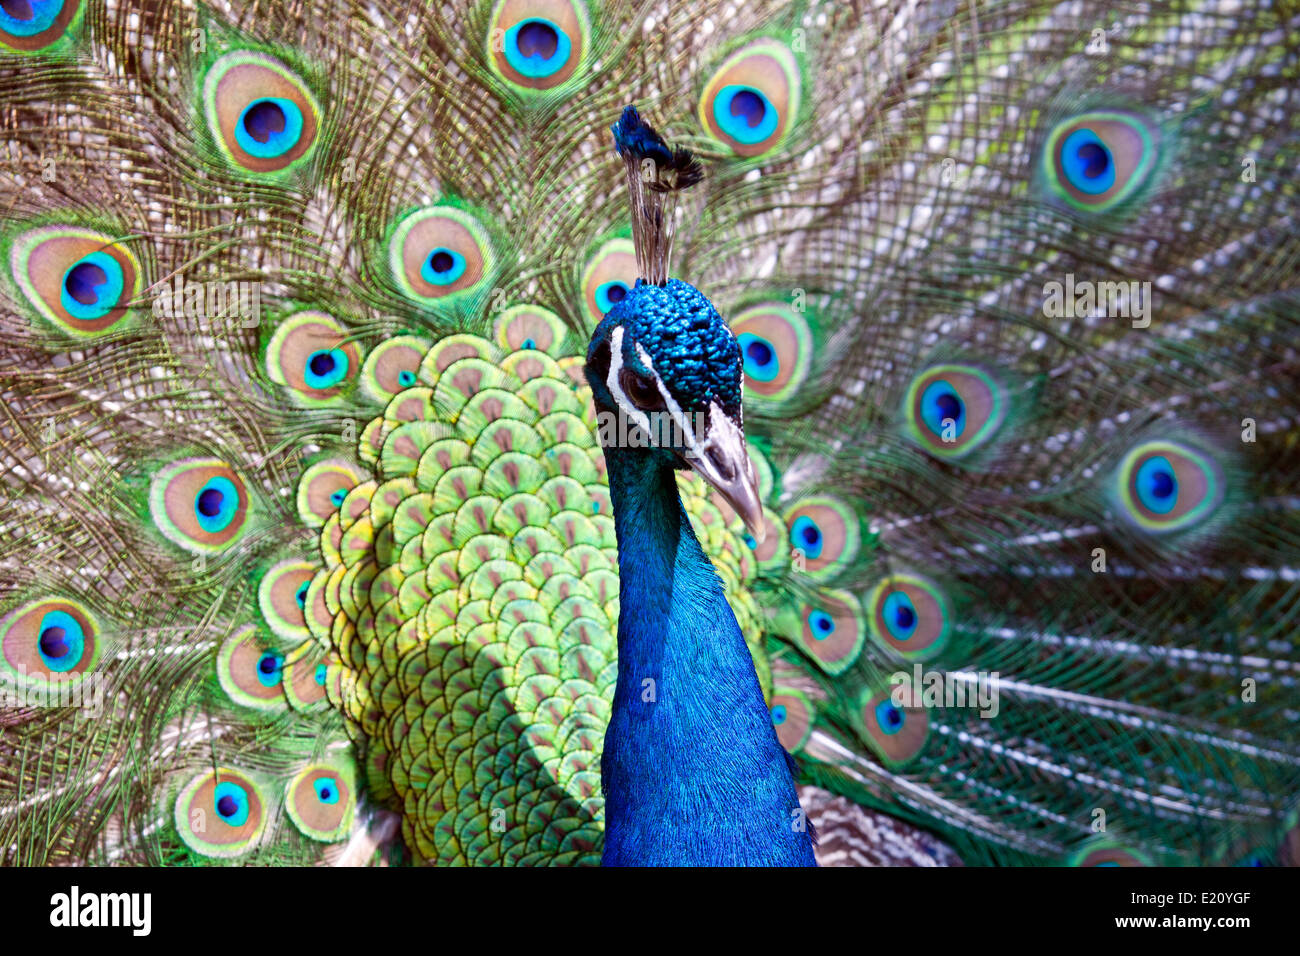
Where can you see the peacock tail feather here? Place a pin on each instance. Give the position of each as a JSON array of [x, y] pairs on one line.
[[306, 540]]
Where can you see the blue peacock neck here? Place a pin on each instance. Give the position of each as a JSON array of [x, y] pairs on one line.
[[692, 771]]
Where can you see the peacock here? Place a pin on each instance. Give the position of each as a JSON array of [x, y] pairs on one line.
[[880, 446]]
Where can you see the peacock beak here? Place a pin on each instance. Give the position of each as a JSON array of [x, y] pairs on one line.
[[722, 460]]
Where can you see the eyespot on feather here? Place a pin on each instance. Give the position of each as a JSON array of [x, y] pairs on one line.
[[307, 671], [249, 672], [439, 253], [322, 489], [221, 813], [80, 280], [953, 409], [1165, 486], [1109, 853], [261, 114], [896, 734], [538, 45], [831, 630], [792, 716], [49, 641], [776, 346], [610, 273], [200, 504], [1100, 159], [531, 327], [28, 26], [282, 597], [827, 533], [908, 615], [309, 353], [751, 101], [393, 366], [320, 801]]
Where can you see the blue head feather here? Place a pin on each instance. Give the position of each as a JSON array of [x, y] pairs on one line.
[[634, 135], [694, 353], [637, 140]]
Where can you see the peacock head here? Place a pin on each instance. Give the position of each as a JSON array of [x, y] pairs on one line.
[[665, 373]]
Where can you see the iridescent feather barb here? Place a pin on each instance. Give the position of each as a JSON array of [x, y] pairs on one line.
[[301, 476]]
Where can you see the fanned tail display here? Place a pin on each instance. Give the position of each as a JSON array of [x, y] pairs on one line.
[[307, 551]]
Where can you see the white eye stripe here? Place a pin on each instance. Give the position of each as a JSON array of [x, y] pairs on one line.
[[684, 426], [616, 389]]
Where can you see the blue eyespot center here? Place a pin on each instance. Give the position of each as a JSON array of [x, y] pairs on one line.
[[749, 105], [62, 641], [216, 504], [406, 378], [327, 789], [889, 717], [301, 594], [779, 714], [269, 669], [263, 119], [1087, 162], [760, 358], [322, 363], [231, 803], [529, 344], [899, 614], [537, 48], [320, 674], [28, 17], [337, 497], [443, 266], [209, 502], [93, 286], [821, 624], [942, 409], [326, 368], [269, 127], [82, 281], [745, 114], [1095, 160], [537, 37], [1157, 485], [807, 536], [610, 294], [54, 642]]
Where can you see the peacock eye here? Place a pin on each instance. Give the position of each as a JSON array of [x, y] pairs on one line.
[[641, 389]]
